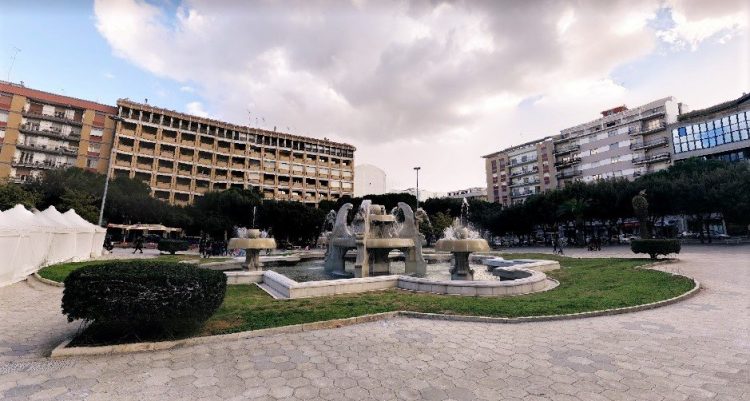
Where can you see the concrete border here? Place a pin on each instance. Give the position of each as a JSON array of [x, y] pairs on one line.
[[47, 281], [62, 351]]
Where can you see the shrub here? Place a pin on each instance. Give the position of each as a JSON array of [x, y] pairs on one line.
[[655, 247], [145, 293], [172, 246]]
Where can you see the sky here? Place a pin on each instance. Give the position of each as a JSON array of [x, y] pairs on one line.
[[435, 84]]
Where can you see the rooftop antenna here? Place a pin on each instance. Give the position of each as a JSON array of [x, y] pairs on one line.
[[13, 60]]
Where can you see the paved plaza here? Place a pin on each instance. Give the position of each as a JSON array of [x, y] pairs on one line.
[[696, 349]]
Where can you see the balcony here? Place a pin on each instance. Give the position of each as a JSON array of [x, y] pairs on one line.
[[566, 149], [58, 117], [45, 165], [650, 144], [568, 162], [50, 133], [518, 173], [57, 150], [568, 174], [523, 184], [647, 131], [653, 159], [522, 162]]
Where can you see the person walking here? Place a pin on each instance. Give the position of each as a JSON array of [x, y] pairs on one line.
[[560, 246], [554, 244], [138, 244]]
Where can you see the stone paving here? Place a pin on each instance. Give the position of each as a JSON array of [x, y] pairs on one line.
[[696, 349]]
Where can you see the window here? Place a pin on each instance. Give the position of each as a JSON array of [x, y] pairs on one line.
[[97, 132], [3, 116], [614, 146]]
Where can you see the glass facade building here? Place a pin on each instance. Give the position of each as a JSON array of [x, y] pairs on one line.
[[710, 134], [717, 132]]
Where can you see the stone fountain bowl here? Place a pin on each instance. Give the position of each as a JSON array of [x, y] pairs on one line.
[[462, 245], [389, 243], [252, 243]]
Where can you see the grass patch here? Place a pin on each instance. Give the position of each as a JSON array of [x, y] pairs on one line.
[[585, 285], [60, 271]]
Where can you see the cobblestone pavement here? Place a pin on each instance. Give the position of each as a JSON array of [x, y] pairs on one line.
[[696, 349]]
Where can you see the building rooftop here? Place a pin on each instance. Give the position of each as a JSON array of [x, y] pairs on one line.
[[53, 98], [514, 147], [715, 108], [223, 124]]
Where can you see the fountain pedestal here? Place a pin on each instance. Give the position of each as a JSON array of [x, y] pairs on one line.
[[461, 249], [460, 269], [252, 245]]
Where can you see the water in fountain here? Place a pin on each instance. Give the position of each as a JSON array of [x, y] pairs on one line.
[[461, 228], [240, 232]]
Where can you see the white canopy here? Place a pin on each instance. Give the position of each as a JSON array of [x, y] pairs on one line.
[[29, 241]]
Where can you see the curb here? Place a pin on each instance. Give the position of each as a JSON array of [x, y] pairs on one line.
[[47, 281], [62, 351]]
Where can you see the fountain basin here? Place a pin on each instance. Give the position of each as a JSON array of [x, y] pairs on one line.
[[462, 245], [252, 243], [389, 243], [535, 281]]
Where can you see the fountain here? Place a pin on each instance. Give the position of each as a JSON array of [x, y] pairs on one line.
[[460, 241], [251, 240], [374, 233]]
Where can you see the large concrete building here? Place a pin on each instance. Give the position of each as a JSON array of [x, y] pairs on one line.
[[369, 180], [717, 132], [181, 157], [622, 143], [475, 193], [515, 173], [41, 130]]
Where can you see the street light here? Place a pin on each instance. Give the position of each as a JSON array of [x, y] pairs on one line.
[[117, 120], [417, 170]]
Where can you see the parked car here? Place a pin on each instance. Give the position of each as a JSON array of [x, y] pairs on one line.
[[626, 238]]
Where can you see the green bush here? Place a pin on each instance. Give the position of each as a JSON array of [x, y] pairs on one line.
[[655, 247], [172, 246], [143, 293]]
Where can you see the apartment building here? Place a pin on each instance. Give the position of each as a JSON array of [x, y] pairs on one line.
[[181, 157], [716, 132], [41, 130], [622, 143], [515, 173]]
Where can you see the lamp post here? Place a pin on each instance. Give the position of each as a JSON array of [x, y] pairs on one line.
[[117, 120], [417, 170]]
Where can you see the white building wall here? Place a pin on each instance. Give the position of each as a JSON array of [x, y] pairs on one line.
[[369, 180]]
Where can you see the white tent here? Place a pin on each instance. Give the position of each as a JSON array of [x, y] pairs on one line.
[[94, 235], [29, 241], [24, 241], [63, 244]]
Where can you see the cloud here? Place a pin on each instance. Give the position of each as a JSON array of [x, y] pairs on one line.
[[196, 108], [436, 80], [187, 89], [696, 21], [108, 75]]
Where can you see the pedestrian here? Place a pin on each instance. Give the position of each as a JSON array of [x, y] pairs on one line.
[[560, 246], [554, 244], [138, 244]]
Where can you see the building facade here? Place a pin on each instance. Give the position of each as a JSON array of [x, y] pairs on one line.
[[476, 193], [622, 143], [369, 180], [515, 173], [41, 131], [717, 132], [181, 157]]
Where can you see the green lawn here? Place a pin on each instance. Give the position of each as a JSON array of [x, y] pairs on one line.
[[60, 271], [585, 285]]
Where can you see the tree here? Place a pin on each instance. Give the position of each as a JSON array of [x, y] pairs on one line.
[[14, 194], [640, 208], [292, 222]]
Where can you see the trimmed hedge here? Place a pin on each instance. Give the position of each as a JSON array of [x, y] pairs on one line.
[[142, 293], [655, 247], [172, 246]]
